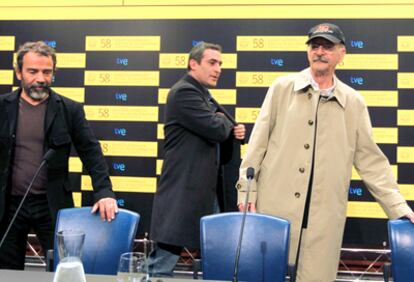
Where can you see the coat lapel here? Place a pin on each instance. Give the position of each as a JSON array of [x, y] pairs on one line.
[[12, 108], [52, 109], [205, 93]]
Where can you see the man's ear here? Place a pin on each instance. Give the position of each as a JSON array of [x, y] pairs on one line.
[[344, 50], [343, 53], [193, 63], [18, 72]]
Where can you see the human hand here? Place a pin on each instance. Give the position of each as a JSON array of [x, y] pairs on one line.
[[239, 131], [250, 207], [107, 208], [410, 216]]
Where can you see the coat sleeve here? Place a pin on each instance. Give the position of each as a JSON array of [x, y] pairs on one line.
[[193, 113], [375, 170], [90, 153], [257, 146]]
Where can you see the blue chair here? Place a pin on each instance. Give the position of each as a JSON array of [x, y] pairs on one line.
[[264, 249], [104, 241], [401, 237]]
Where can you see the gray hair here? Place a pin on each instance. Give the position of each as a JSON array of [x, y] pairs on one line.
[[197, 51], [38, 47]]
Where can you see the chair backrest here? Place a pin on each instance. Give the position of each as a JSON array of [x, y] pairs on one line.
[[401, 236], [104, 241], [264, 249]]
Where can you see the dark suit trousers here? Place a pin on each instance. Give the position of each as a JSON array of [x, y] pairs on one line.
[[34, 215]]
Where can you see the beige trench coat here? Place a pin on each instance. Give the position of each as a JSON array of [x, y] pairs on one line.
[[280, 150]]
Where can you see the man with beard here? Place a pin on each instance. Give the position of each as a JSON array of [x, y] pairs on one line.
[[33, 120], [312, 128]]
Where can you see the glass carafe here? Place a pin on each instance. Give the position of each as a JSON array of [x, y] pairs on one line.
[[70, 247]]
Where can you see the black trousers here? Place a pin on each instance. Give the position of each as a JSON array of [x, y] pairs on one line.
[[34, 215]]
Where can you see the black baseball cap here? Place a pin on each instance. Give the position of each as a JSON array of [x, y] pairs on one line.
[[328, 31]]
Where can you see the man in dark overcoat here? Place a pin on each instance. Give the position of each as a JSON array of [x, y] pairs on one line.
[[197, 136]]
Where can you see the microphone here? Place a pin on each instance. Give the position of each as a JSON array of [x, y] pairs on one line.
[[46, 157], [249, 175]]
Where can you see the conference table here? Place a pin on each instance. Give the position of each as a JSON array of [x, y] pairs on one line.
[[41, 276]]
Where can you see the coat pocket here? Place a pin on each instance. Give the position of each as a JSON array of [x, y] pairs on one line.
[[62, 145], [67, 186], [61, 140]]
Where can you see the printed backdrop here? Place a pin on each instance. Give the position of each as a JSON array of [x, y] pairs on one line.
[[122, 69]]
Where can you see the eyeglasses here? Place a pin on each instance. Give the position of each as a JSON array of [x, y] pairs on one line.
[[327, 46]]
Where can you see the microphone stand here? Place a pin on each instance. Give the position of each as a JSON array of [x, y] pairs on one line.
[[46, 158], [236, 263]]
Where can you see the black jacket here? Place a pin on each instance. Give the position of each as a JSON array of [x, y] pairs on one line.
[[65, 124], [187, 186]]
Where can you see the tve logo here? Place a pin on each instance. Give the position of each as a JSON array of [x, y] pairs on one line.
[[358, 80], [122, 61], [121, 96], [357, 44], [277, 62], [120, 131], [195, 42], [119, 166], [356, 191], [51, 43], [121, 202]]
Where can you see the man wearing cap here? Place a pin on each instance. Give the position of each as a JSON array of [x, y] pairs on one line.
[[311, 130]]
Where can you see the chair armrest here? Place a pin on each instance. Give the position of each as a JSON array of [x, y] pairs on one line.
[[386, 268], [49, 260], [291, 272], [196, 268]]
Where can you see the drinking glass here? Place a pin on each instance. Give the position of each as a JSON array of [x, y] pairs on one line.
[[132, 267]]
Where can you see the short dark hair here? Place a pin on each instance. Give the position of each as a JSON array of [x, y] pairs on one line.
[[38, 47], [197, 51]]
